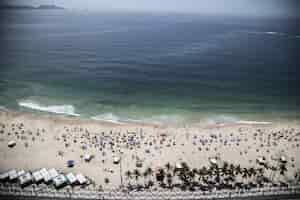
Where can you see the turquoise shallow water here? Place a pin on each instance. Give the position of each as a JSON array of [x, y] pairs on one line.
[[151, 68]]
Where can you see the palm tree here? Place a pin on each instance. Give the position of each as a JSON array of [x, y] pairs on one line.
[[252, 171], [150, 184], [136, 174], [160, 176], [168, 166], [145, 175], [149, 171], [169, 180], [235, 170], [282, 169], [202, 172], [245, 172], [185, 166], [128, 175], [225, 168]]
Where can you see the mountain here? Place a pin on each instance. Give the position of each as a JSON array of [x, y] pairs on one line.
[[50, 7], [27, 7]]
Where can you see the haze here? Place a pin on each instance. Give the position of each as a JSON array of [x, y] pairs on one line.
[[233, 7]]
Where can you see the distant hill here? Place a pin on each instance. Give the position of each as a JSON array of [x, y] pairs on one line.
[[27, 7], [49, 7]]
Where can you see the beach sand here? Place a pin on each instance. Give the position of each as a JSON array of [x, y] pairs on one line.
[[50, 141]]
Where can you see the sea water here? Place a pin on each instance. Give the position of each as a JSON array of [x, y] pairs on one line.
[[156, 68]]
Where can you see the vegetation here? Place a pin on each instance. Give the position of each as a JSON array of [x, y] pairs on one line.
[[215, 176]]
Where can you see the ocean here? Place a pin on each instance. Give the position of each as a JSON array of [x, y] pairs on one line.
[[155, 68]]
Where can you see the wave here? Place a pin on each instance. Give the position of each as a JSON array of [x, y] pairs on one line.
[[108, 117], [254, 122], [221, 119], [59, 109], [154, 120], [273, 33], [3, 108]]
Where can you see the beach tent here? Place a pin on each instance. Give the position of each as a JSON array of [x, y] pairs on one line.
[[45, 174], [81, 179], [71, 178], [25, 179], [37, 176], [53, 173], [4, 176], [20, 173], [12, 175], [11, 143], [59, 181]]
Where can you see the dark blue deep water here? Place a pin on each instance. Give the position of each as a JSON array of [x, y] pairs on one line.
[[159, 68]]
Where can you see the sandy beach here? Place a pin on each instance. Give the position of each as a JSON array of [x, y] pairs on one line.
[[50, 141]]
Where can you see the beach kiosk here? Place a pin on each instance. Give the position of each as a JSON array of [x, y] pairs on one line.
[[59, 181], [37, 176], [81, 179], [53, 173], [4, 177], [25, 179], [21, 172], [71, 178], [45, 174], [13, 175]]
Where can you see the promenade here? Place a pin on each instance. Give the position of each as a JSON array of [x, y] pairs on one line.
[[14, 192]]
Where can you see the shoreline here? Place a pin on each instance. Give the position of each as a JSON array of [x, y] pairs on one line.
[[36, 114]]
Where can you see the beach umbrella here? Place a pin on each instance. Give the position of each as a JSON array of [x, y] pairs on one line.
[[87, 157], [71, 163], [116, 160], [12, 143], [283, 159], [261, 160], [213, 161]]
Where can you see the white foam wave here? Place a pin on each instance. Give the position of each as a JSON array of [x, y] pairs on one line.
[[108, 117], [3, 108], [59, 109], [221, 119], [224, 120], [273, 33], [254, 122], [154, 120]]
